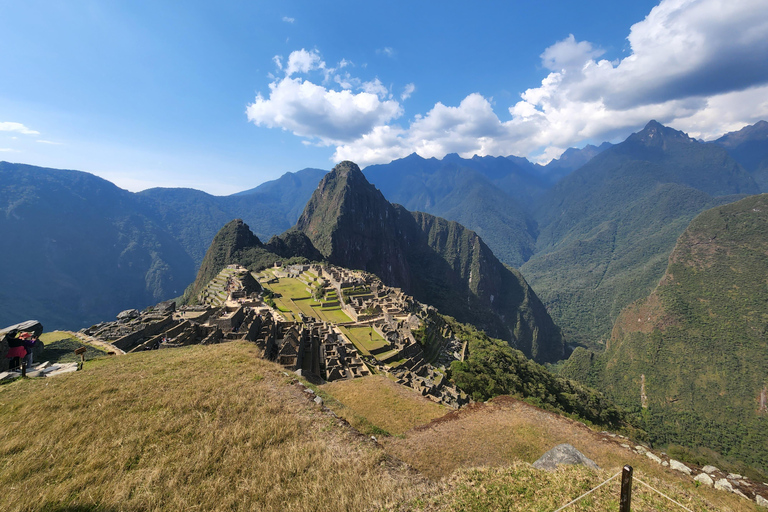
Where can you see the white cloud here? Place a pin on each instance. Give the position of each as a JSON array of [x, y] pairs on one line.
[[408, 91], [319, 113], [8, 150], [8, 126], [302, 61], [288, 19], [697, 65], [49, 142], [569, 54]]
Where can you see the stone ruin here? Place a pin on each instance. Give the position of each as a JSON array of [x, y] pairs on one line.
[[231, 308]]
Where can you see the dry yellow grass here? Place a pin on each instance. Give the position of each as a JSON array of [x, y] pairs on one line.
[[522, 488], [382, 403], [200, 428], [505, 432], [217, 428]]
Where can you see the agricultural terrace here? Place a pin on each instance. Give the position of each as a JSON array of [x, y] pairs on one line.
[[377, 403], [294, 298], [366, 339]]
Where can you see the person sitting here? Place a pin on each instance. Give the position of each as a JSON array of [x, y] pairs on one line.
[[16, 350]]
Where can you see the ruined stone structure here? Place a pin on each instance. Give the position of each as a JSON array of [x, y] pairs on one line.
[[230, 310]]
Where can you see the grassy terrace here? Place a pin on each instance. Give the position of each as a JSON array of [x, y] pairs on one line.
[[217, 428], [296, 299], [375, 402], [365, 339]]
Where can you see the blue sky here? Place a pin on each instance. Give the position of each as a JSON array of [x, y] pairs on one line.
[[222, 96]]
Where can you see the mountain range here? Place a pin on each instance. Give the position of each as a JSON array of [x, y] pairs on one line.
[[642, 256], [588, 246], [349, 223]]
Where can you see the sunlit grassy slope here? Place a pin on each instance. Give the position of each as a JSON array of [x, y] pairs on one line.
[[200, 428], [217, 428]]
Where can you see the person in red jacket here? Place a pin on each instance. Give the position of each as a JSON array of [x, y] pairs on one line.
[[16, 350]]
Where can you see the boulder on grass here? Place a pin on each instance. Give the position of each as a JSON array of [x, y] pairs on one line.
[[563, 454]]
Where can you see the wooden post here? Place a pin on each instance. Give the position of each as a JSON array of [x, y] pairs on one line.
[[626, 489], [23, 368], [81, 352]]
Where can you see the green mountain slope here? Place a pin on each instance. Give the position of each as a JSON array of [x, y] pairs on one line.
[[235, 243], [486, 194], [78, 249], [697, 345], [749, 147], [194, 217], [439, 262], [608, 228]]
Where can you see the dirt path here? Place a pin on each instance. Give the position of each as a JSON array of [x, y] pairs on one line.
[[93, 341]]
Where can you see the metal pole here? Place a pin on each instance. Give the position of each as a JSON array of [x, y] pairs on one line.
[[626, 489]]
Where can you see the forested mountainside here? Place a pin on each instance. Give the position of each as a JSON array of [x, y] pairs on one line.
[[439, 262], [77, 249], [749, 147], [607, 229], [195, 217], [592, 244], [692, 357]]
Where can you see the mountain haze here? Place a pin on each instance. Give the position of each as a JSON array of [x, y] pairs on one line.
[[607, 229], [78, 249], [749, 147]]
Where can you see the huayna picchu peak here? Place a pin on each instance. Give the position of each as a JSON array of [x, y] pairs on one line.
[[440, 262]]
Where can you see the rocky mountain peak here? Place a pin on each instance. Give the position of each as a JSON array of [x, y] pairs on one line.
[[656, 134]]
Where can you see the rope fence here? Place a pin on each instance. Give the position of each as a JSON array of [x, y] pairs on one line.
[[626, 491], [587, 493], [661, 493]]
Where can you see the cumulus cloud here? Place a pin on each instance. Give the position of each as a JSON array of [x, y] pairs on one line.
[[288, 19], [8, 126], [322, 113], [697, 65], [302, 61]]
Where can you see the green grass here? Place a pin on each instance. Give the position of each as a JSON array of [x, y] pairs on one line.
[[335, 315], [376, 400], [290, 287], [365, 338], [520, 487]]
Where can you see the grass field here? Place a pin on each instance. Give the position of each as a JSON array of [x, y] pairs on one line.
[[60, 348], [365, 339], [197, 428], [290, 288], [216, 428], [383, 403], [335, 315]]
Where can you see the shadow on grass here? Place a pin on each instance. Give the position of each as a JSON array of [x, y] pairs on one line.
[[63, 351]]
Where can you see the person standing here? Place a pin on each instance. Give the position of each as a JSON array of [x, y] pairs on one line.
[[29, 343]]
